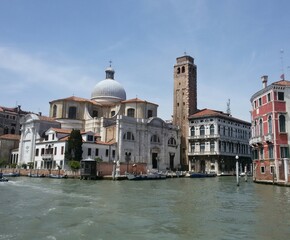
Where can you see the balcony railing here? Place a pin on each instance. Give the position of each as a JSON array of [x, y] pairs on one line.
[[202, 153], [47, 157], [203, 136], [256, 140], [269, 138]]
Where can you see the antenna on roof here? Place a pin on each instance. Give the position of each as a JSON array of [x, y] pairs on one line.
[[282, 64], [110, 63], [229, 107]]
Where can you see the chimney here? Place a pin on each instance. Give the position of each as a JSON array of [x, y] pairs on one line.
[[39, 113], [264, 80]]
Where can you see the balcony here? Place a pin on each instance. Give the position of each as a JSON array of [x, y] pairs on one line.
[[269, 138], [256, 140], [47, 157], [198, 153], [211, 136]]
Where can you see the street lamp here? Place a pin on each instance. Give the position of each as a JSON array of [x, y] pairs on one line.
[[237, 169]]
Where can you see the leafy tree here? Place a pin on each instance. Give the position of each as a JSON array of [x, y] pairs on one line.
[[74, 150], [3, 163], [74, 165], [30, 165]]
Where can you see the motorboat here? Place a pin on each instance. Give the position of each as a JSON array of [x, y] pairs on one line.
[[202, 175]]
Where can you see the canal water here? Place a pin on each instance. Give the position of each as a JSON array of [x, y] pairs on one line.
[[183, 208]]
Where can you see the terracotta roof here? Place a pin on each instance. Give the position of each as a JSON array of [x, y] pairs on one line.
[[214, 113], [61, 130], [45, 118], [282, 82], [76, 99], [13, 110], [137, 100], [10, 137]]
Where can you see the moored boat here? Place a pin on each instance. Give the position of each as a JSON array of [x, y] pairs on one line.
[[149, 176], [11, 174], [202, 175], [57, 176], [35, 175]]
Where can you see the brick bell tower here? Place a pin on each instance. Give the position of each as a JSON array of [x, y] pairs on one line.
[[184, 101]]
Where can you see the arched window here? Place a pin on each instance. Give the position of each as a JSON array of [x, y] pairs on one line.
[[113, 113], [95, 113], [201, 130], [212, 146], [131, 112], [72, 112], [128, 136], [178, 70], [12, 131], [172, 141], [155, 139], [269, 124], [54, 110], [261, 127], [192, 131], [282, 125], [6, 130], [183, 69], [211, 129]]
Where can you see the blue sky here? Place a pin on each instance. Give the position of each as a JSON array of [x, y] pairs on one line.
[[53, 49]]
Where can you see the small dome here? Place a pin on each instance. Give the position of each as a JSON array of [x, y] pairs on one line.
[[109, 90]]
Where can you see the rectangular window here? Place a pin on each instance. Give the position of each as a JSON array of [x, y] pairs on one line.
[[42, 151], [255, 104], [107, 152], [272, 169], [113, 153], [62, 150], [261, 153], [263, 169], [89, 151], [260, 101], [271, 153], [37, 152], [97, 152], [90, 138], [284, 152], [269, 97], [281, 96], [193, 148], [55, 150]]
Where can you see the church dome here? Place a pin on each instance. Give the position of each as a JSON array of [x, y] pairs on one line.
[[109, 90]]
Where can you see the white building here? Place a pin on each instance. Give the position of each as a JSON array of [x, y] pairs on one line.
[[127, 130], [215, 139]]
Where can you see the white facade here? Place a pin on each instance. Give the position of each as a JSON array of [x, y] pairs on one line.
[[215, 140], [127, 130]]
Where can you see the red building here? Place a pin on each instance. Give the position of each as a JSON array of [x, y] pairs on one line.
[[270, 126]]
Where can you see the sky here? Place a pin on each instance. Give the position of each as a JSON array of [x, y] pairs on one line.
[[53, 49]]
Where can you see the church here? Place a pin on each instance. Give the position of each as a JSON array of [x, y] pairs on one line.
[[113, 128]]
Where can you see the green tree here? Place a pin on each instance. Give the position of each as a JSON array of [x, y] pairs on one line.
[[74, 150], [74, 165]]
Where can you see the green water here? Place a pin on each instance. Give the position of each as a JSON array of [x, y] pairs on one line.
[[184, 208]]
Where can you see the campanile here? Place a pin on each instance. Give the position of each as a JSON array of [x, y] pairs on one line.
[[184, 100]]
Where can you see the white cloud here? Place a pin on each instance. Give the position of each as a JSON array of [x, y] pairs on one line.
[[33, 71]]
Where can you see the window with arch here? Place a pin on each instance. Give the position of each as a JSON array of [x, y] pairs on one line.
[[72, 112], [178, 70], [211, 129], [54, 111], [183, 69], [212, 146], [113, 113], [270, 124], [192, 131], [128, 136], [202, 147], [131, 112], [172, 141], [201, 130], [95, 113], [155, 139], [282, 125], [261, 127]]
